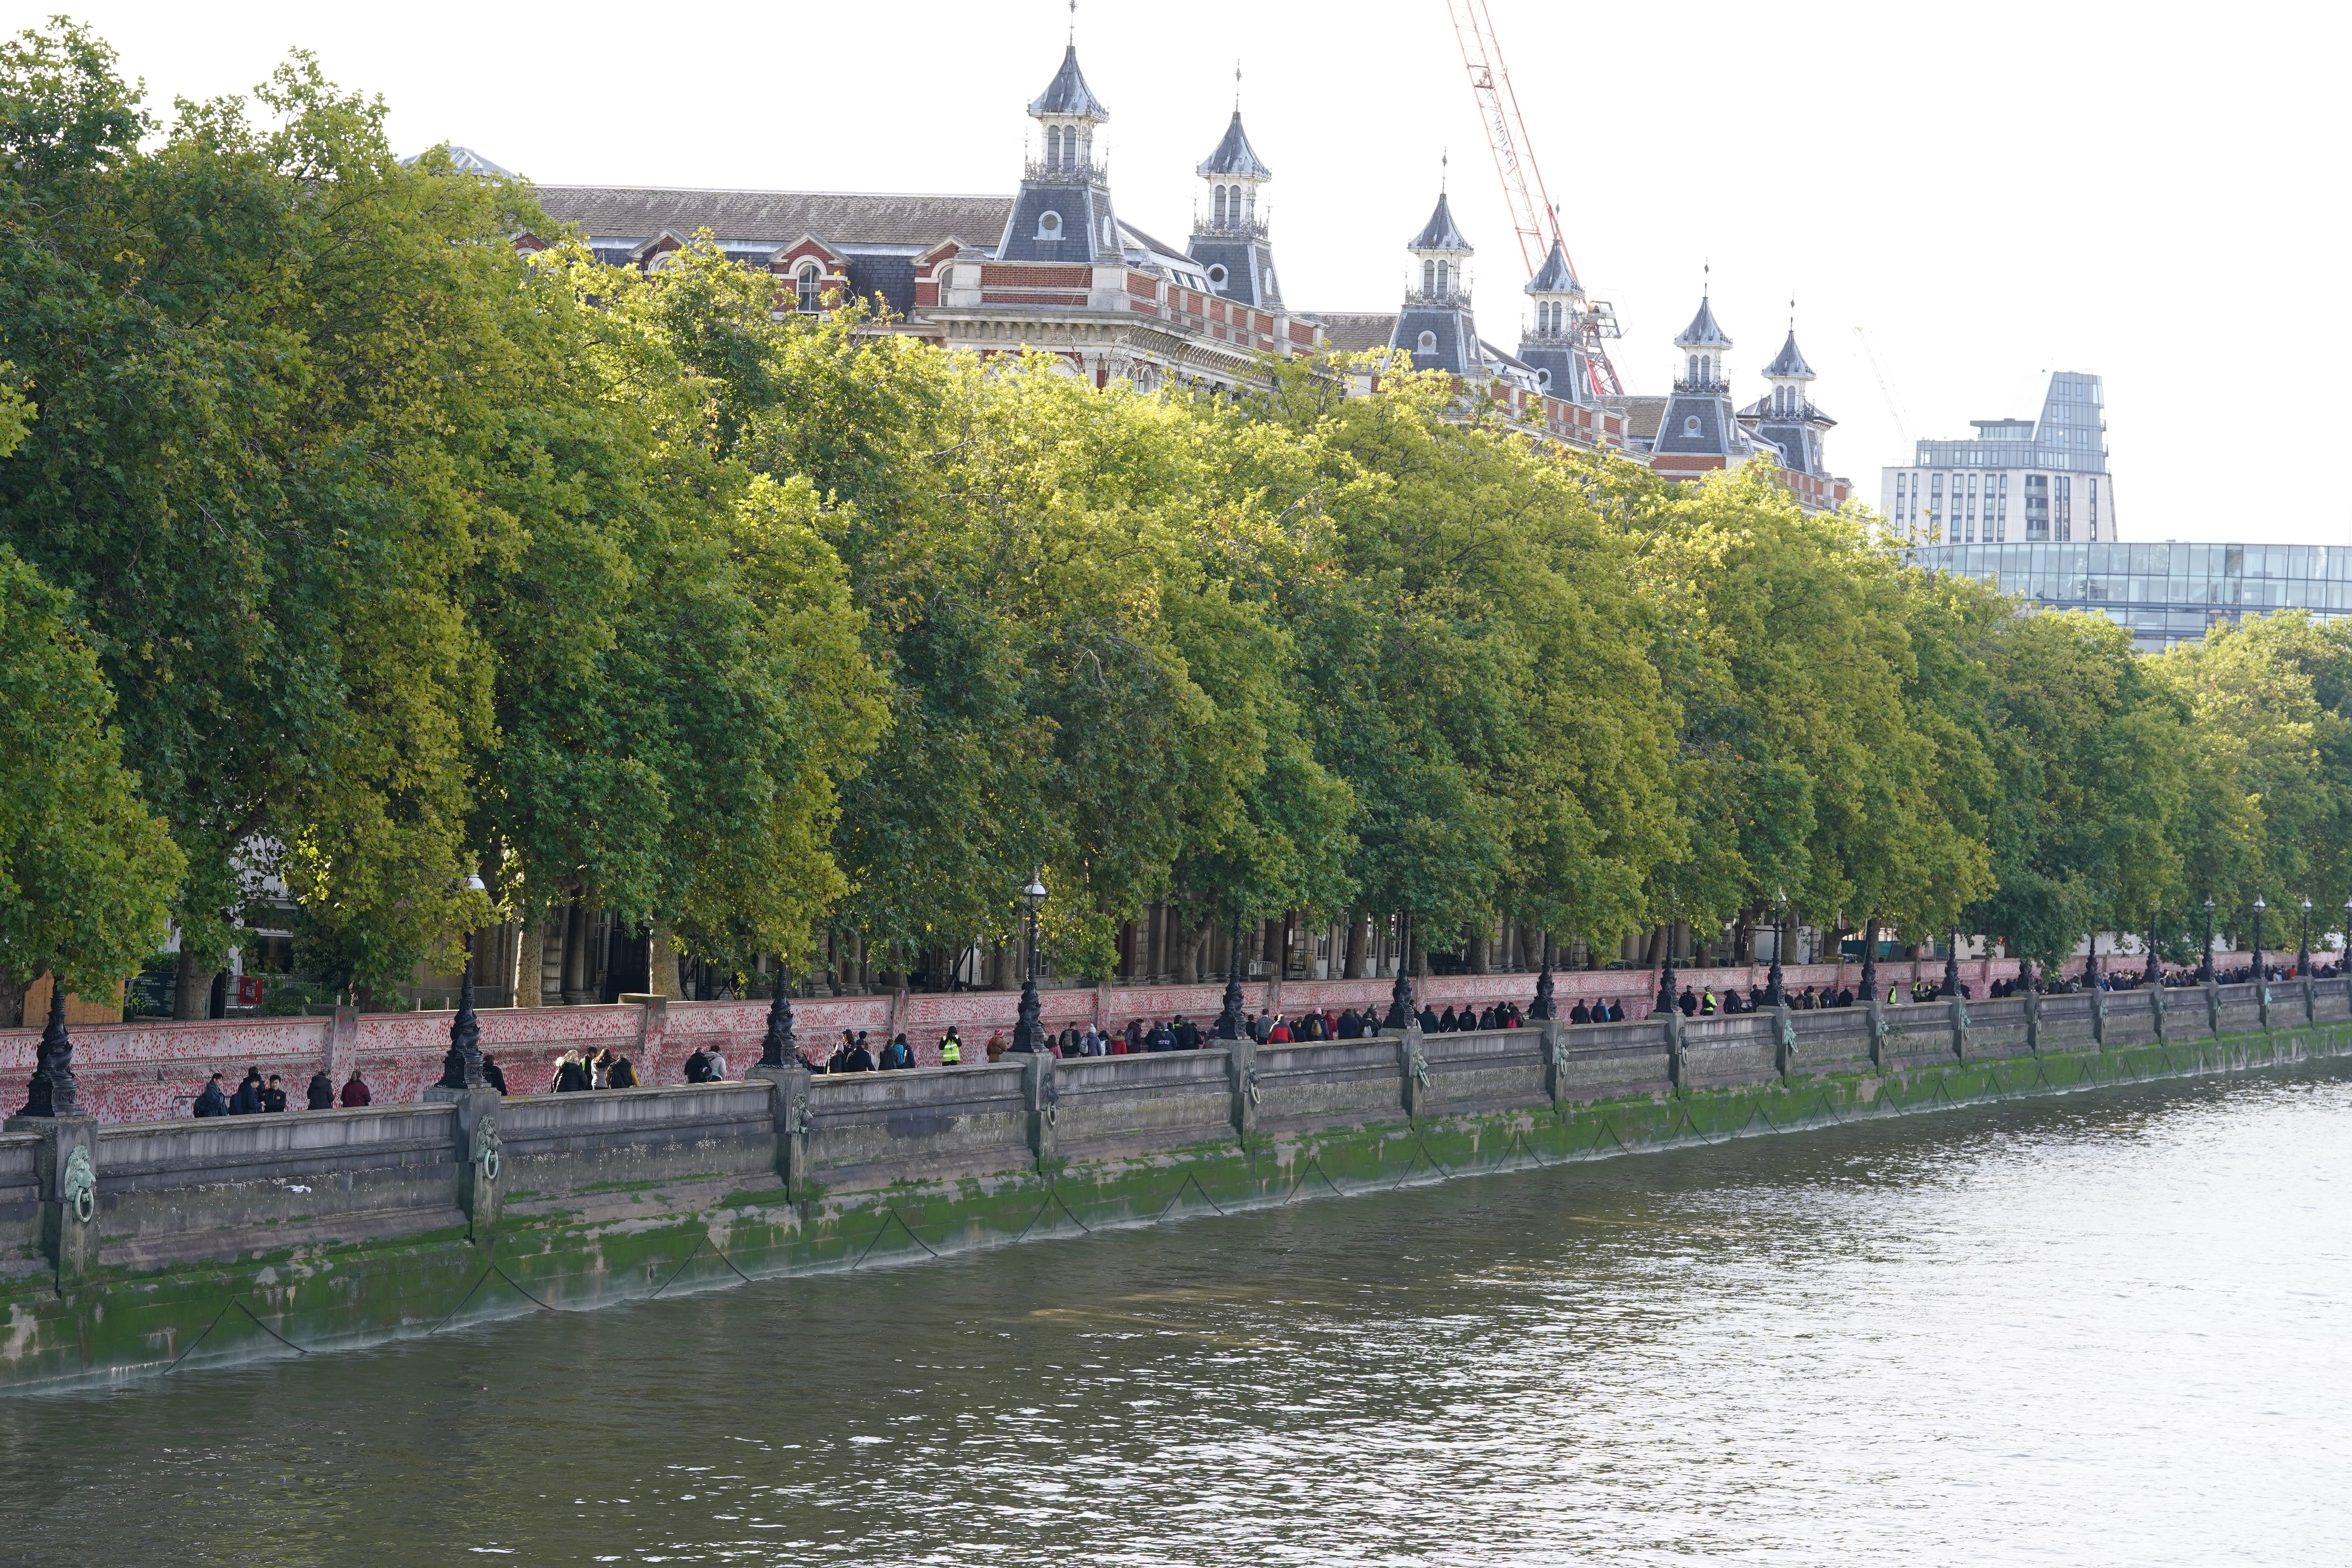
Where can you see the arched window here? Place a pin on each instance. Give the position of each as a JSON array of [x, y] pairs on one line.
[[1049, 225], [1429, 276], [1053, 146], [1218, 207], [1428, 343], [809, 286], [1691, 373], [1445, 278], [1707, 368], [1250, 197]]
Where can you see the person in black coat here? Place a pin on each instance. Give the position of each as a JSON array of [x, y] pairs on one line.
[[697, 1067], [322, 1091], [861, 1059], [1689, 1003], [212, 1102], [624, 1075], [1616, 1011], [1579, 1014], [494, 1075], [1429, 1024], [1351, 1026], [1845, 998], [573, 1078], [247, 1100], [274, 1097]]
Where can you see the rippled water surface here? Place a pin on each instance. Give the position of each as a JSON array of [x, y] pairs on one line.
[[2111, 1329]]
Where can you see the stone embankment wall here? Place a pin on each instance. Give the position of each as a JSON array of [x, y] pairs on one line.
[[152, 1070], [233, 1237]]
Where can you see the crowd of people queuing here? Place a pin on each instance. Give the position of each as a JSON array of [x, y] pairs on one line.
[[578, 1071]]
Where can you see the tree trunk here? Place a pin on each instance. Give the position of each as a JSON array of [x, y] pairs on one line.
[[1359, 931], [661, 964], [12, 999], [191, 987], [1476, 948]]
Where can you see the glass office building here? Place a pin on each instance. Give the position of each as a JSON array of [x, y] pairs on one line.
[[2165, 593]]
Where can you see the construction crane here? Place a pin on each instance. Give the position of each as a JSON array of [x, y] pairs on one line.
[[1533, 216]]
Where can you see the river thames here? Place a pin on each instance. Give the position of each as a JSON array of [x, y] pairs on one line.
[[2107, 1329]]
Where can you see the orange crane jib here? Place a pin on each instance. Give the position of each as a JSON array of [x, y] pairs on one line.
[[1514, 163]]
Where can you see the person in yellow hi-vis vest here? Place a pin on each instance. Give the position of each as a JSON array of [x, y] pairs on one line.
[[950, 1049]]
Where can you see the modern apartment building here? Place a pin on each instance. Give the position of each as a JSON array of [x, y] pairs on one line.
[[2017, 481]]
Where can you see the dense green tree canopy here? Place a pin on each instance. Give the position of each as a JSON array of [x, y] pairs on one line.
[[344, 542]]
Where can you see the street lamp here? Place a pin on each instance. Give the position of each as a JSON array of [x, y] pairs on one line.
[[1775, 993], [2302, 954], [1667, 998], [2205, 969], [1952, 966], [1541, 1008], [1400, 1008], [1026, 1034], [461, 1069], [52, 1092], [1229, 1022], [2259, 908]]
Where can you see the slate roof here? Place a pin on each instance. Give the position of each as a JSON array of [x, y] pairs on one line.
[[1068, 94], [640, 213], [1641, 415], [1789, 362], [1353, 331], [1439, 233], [1234, 157], [1555, 276], [1703, 334]]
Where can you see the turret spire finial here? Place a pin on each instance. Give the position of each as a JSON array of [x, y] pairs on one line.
[[1074, 22]]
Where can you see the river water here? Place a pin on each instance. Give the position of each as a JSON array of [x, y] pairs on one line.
[[2108, 1328]]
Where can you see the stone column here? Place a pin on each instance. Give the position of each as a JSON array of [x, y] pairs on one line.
[[1241, 1079], [1555, 1043], [1413, 1073], [1041, 1094]]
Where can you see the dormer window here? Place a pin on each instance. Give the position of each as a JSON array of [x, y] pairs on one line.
[[1049, 225], [809, 286], [1217, 275], [1690, 425], [1428, 342]]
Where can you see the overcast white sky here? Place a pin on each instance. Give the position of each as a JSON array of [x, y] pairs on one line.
[[1990, 191]]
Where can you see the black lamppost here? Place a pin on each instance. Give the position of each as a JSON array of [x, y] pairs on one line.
[[1667, 998], [2205, 968], [2154, 976], [51, 1091], [1229, 1022], [1952, 966], [2344, 952], [1774, 991], [2302, 954], [777, 1047], [1400, 1008], [1870, 960], [2259, 908], [1542, 1008], [1027, 1036], [462, 1066]]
